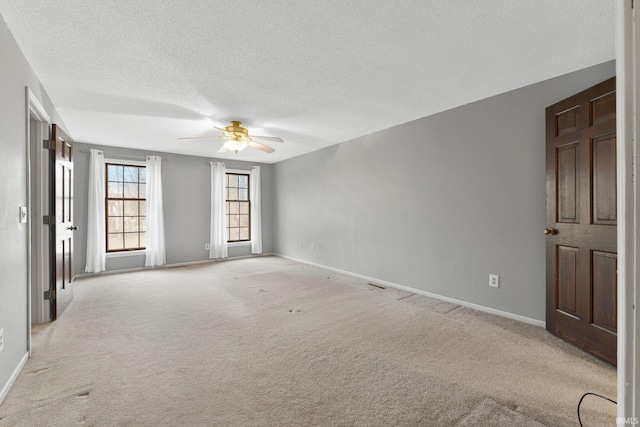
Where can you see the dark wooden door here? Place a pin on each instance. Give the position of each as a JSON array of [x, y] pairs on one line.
[[581, 220], [62, 227]]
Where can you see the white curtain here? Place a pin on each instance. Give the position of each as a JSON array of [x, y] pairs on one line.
[[256, 218], [96, 239], [155, 250], [218, 241]]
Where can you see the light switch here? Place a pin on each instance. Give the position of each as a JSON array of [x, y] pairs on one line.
[[24, 216]]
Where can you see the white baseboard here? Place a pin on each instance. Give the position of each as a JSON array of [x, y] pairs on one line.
[[478, 307], [208, 261], [174, 265], [13, 377]]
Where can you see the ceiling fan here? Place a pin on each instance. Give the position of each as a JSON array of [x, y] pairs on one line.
[[237, 139]]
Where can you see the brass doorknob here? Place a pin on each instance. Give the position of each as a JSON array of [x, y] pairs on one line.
[[72, 228], [550, 231]]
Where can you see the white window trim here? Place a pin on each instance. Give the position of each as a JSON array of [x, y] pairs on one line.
[[125, 162], [126, 253], [244, 172], [246, 242], [243, 243], [133, 163]]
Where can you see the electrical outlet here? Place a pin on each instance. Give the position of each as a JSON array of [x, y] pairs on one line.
[[313, 247], [206, 246], [494, 280], [1, 339]]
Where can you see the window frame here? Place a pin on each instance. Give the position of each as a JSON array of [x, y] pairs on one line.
[[248, 201], [119, 252]]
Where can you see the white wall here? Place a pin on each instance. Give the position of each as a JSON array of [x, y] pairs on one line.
[[15, 74], [186, 187], [436, 204]]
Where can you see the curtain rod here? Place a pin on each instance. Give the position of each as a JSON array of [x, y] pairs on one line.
[[123, 156]]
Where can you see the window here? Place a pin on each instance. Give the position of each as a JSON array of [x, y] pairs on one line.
[[238, 208], [126, 207]]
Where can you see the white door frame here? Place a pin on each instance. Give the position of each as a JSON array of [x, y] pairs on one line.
[[627, 95], [37, 198]]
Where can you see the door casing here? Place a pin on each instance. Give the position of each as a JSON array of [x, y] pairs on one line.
[[38, 128]]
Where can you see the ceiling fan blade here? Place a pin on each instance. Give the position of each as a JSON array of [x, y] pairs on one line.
[[222, 129], [268, 138], [201, 137], [223, 149], [262, 147]]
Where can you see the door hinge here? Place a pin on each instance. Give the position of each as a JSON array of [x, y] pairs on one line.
[[49, 219], [48, 144], [48, 295]]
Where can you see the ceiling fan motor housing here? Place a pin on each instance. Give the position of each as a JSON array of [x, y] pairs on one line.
[[237, 130]]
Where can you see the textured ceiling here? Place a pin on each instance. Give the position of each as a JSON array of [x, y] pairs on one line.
[[141, 73]]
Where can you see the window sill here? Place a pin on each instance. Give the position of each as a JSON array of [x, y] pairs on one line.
[[125, 253], [231, 245]]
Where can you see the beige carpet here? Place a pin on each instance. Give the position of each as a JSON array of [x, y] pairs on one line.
[[270, 342]]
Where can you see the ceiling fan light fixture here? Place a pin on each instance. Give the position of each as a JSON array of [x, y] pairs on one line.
[[237, 139], [236, 145]]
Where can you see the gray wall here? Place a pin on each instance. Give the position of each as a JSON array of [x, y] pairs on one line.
[[436, 204], [15, 74], [186, 186]]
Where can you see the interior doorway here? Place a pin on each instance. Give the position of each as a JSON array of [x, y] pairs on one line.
[[38, 129], [582, 255]]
